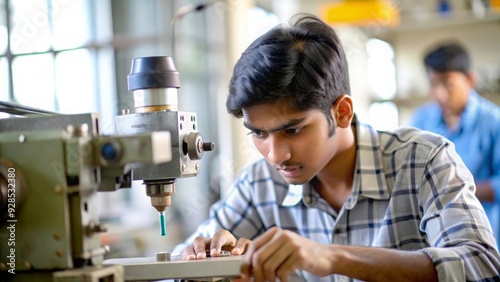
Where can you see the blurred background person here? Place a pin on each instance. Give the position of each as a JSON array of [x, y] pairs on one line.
[[470, 121]]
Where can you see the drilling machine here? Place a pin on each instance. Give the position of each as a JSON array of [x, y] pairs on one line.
[[154, 82], [53, 165]]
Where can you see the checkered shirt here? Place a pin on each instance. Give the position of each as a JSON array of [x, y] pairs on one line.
[[411, 191]]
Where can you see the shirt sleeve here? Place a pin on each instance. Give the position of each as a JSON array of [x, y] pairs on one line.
[[235, 213], [463, 247]]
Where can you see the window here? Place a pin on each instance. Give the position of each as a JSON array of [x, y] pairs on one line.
[[383, 115], [51, 52], [3, 28], [33, 78], [381, 72], [75, 85], [4, 79], [381, 69], [4, 82]]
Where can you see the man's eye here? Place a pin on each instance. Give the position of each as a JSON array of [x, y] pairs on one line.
[[293, 131], [258, 134]]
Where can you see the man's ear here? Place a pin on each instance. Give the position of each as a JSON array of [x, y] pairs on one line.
[[472, 78], [342, 111]]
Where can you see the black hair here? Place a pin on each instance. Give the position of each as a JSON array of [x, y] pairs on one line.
[[303, 63], [450, 56]]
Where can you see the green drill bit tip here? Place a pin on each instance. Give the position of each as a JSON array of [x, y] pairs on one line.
[[163, 224]]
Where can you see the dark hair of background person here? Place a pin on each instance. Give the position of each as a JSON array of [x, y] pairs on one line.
[[450, 56], [303, 63]]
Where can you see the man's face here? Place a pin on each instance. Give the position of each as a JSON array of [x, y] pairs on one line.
[[450, 90], [295, 143]]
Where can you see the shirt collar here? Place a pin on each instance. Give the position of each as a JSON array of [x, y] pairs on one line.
[[369, 180], [470, 113], [467, 117]]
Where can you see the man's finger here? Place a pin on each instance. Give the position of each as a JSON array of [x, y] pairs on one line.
[[264, 238], [200, 246], [188, 253], [246, 265], [221, 238], [241, 246]]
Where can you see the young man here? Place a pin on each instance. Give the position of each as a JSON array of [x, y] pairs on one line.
[[334, 198], [471, 122]]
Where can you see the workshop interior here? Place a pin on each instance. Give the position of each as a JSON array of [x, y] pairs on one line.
[[114, 137]]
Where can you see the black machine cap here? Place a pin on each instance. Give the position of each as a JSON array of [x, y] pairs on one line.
[[153, 72]]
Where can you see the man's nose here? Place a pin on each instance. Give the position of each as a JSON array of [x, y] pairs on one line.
[[279, 151], [441, 94]]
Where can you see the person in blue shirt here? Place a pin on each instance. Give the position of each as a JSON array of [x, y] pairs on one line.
[[333, 199], [470, 121]]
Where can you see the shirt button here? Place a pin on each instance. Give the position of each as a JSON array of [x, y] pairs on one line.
[[307, 199]]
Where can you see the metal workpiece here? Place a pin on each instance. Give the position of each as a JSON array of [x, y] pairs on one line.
[[148, 268], [223, 253], [162, 256]]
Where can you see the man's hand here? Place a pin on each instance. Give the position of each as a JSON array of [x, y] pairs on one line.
[[278, 253], [222, 240]]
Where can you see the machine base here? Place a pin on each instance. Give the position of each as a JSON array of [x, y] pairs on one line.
[[147, 268]]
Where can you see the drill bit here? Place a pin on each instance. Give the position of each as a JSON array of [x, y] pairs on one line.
[[163, 224]]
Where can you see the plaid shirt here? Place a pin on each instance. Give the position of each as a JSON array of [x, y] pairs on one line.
[[411, 191]]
